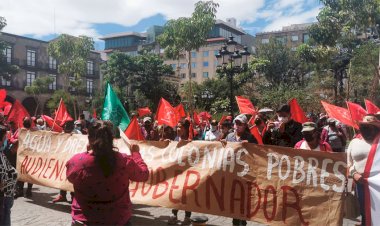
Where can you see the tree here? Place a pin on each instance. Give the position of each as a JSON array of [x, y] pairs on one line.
[[38, 87], [71, 53], [54, 100], [185, 34], [6, 69], [143, 75]]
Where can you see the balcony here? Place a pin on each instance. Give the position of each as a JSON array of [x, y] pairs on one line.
[[37, 65], [94, 74]]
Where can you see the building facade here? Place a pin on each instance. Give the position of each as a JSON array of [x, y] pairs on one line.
[[32, 58], [203, 63], [293, 35]]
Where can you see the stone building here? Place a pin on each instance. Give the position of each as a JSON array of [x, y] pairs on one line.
[[33, 60]]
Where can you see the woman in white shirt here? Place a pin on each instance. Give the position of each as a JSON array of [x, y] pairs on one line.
[[357, 155]]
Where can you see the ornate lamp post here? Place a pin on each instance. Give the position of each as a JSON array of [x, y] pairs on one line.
[[232, 61]]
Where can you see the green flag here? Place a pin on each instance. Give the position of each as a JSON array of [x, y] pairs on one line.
[[113, 110]]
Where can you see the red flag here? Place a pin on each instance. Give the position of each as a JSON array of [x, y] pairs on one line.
[[144, 111], [371, 107], [339, 113], [222, 119], [3, 95], [50, 122], [357, 113], [17, 114], [94, 113], [7, 107], [180, 111], [62, 115], [197, 121], [296, 112], [255, 132], [166, 114], [205, 115], [245, 106], [191, 131], [133, 130]]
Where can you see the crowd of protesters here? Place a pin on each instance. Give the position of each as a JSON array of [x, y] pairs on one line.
[[106, 166]]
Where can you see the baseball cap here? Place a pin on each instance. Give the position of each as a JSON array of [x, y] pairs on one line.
[[147, 119], [241, 118], [308, 127]]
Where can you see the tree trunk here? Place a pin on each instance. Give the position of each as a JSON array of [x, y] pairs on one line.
[[190, 94]]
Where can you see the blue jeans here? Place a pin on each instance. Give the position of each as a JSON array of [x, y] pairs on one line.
[[360, 192], [8, 203]]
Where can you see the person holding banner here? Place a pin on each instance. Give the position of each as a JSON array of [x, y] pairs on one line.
[[101, 178], [312, 139], [182, 135], [357, 155], [241, 134]]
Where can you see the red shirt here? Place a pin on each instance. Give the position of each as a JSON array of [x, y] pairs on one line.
[[104, 200]]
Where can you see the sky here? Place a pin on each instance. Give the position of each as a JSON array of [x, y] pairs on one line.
[[45, 19]]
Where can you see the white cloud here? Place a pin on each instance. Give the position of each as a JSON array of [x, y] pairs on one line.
[[45, 17], [286, 20]]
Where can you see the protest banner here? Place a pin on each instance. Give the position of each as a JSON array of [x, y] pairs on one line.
[[267, 184]]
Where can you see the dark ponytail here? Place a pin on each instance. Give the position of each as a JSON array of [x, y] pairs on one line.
[[100, 137]]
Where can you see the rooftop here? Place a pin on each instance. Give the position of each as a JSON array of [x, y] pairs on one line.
[[123, 34], [293, 27]]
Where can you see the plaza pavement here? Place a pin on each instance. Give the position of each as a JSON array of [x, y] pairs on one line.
[[40, 211]]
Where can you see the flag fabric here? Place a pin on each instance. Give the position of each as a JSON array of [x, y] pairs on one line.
[[3, 95], [245, 106], [166, 115], [296, 112], [133, 131], [357, 113], [196, 119], [53, 125], [144, 111], [371, 178], [222, 119], [338, 113], [205, 115], [191, 131], [113, 110], [17, 114], [371, 107], [94, 116], [255, 132], [61, 115], [180, 111], [7, 107]]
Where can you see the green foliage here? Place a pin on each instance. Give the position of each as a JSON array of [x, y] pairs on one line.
[[71, 53], [54, 100], [188, 33], [6, 69], [40, 85], [144, 74]]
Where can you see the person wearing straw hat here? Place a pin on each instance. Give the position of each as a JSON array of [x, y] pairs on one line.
[[357, 155]]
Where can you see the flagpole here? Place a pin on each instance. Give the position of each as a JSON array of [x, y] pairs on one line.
[[55, 117]]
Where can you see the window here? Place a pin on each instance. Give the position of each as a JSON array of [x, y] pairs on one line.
[[5, 82], [305, 38], [30, 77], [193, 54], [205, 53], [52, 63], [193, 75], [205, 74], [216, 52], [265, 40], [183, 75], [183, 65], [8, 54], [294, 38], [205, 63], [174, 66], [89, 86], [53, 85], [193, 65], [31, 58], [294, 49], [281, 39], [90, 67]]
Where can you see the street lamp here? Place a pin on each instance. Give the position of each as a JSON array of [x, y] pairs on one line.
[[232, 61]]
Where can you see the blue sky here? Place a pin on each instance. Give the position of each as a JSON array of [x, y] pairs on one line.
[[44, 19]]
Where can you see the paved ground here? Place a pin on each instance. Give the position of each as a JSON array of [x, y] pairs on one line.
[[40, 211]]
